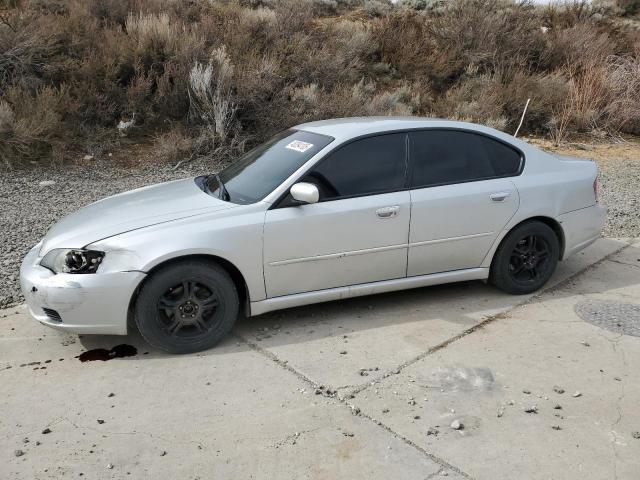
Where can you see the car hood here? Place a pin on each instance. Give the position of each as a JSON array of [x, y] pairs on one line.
[[129, 211]]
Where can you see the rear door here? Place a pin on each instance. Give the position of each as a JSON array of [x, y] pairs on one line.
[[357, 232], [461, 198]]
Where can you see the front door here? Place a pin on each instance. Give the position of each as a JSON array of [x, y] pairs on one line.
[[357, 232]]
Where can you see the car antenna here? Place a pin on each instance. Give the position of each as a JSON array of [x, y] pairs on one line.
[[522, 117]]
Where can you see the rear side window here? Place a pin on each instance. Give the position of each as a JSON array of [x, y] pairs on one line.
[[363, 167], [443, 157]]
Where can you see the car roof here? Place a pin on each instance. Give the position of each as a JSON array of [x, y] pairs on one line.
[[345, 128]]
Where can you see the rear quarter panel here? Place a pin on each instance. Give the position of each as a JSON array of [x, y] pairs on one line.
[[549, 187]]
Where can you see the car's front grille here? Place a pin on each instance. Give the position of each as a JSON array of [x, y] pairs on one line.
[[52, 314]]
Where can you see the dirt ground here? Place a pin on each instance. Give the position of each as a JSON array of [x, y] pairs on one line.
[[606, 152]]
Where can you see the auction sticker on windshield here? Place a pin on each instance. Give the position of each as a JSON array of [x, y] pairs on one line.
[[299, 146]]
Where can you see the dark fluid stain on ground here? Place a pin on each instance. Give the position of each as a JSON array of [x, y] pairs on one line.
[[119, 351]]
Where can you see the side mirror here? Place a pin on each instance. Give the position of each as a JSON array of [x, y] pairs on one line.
[[305, 192]]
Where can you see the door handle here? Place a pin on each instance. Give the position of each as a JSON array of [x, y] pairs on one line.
[[499, 196], [388, 212]]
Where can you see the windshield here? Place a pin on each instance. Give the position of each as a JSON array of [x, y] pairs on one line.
[[260, 171]]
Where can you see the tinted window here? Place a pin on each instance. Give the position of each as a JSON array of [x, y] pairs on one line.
[[366, 166], [448, 156], [260, 171]]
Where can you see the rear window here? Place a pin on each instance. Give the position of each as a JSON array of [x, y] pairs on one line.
[[442, 157]]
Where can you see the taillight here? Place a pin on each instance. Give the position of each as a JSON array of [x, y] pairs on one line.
[[595, 189]]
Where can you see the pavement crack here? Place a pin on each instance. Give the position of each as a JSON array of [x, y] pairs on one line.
[[490, 319], [354, 409], [624, 263], [133, 432]]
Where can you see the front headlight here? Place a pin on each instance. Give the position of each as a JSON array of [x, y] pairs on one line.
[[66, 260]]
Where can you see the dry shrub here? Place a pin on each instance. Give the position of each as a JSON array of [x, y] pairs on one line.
[[623, 108], [499, 99], [210, 76], [578, 45], [601, 97], [490, 34], [31, 127], [628, 7], [404, 43], [210, 94], [172, 146]]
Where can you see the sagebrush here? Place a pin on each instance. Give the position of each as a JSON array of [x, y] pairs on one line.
[[206, 76]]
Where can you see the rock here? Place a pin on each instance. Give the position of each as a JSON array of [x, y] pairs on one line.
[[526, 392], [617, 379], [557, 407], [433, 431], [577, 394], [343, 352], [25, 440], [47, 183], [163, 453], [636, 435], [88, 158], [586, 344], [100, 421], [558, 389], [18, 453], [531, 409], [348, 434], [111, 395], [457, 425], [556, 427], [110, 466], [46, 430], [385, 410]]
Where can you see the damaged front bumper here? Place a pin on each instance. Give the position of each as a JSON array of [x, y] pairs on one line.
[[78, 303]]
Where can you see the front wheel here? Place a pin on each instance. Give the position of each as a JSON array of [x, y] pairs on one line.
[[187, 307], [526, 259]]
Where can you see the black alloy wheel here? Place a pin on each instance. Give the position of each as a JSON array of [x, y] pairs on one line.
[[187, 306], [525, 259]]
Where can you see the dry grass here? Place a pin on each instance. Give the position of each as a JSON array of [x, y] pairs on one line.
[[204, 77]]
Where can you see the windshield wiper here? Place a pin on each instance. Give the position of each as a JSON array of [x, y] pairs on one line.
[[224, 194]]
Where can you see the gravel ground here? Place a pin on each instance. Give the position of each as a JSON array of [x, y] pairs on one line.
[[29, 209]]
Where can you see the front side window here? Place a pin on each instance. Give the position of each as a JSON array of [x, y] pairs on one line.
[[363, 167], [442, 157], [261, 170]]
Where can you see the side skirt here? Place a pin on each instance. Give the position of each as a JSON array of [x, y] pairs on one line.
[[339, 293]]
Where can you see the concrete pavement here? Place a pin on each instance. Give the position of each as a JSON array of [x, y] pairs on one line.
[[362, 388]]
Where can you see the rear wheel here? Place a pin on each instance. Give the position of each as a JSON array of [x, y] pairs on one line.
[[526, 258], [187, 307]]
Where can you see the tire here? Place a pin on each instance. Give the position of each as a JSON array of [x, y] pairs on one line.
[[187, 307], [526, 258]]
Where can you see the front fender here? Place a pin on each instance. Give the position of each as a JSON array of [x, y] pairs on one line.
[[235, 238]]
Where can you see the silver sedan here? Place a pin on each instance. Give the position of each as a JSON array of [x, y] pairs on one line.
[[323, 211]]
